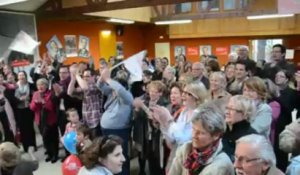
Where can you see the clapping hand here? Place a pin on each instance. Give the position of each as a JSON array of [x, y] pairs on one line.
[[162, 115]]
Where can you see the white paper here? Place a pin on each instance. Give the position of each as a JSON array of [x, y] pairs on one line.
[[24, 43], [289, 54]]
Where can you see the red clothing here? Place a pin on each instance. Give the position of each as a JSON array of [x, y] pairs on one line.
[[49, 107]]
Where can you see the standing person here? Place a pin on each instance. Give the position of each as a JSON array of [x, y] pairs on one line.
[[278, 62], [198, 74], [23, 113], [241, 74], [117, 109], [255, 89], [92, 102], [43, 104], [103, 157], [203, 155]]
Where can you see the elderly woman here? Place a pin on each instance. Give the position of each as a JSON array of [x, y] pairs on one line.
[[255, 89], [254, 156], [146, 133], [179, 131], [44, 107], [117, 108], [217, 86], [204, 154], [239, 111]]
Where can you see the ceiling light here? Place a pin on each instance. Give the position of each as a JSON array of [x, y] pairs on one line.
[[7, 2], [106, 32], [173, 22], [120, 21], [270, 16]]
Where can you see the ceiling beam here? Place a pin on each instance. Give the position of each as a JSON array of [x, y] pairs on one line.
[[96, 7]]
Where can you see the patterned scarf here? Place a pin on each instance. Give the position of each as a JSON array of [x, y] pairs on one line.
[[197, 159]]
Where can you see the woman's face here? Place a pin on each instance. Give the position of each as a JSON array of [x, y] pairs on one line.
[[280, 78], [229, 72], [247, 92], [114, 160], [232, 113], [73, 117], [21, 76], [41, 87], [214, 83], [154, 94], [187, 98], [175, 96], [202, 138]]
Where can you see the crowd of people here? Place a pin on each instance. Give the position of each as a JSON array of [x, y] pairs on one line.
[[188, 118]]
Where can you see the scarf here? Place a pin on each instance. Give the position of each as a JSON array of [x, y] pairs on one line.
[[197, 159]]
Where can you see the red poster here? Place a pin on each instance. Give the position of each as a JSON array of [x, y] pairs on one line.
[[221, 51], [192, 51]]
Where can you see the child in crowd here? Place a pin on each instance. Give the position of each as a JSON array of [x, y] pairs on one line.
[[73, 118], [83, 138]]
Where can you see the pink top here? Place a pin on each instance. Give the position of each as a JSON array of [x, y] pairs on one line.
[[275, 106]]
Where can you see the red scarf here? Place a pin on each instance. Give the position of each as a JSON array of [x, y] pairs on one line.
[[197, 159]]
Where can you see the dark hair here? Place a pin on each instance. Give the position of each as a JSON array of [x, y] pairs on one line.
[[100, 147], [22, 71], [286, 73], [146, 61], [147, 73], [214, 65], [282, 48], [64, 67], [84, 129], [178, 85], [165, 58], [242, 62], [92, 72], [122, 77]]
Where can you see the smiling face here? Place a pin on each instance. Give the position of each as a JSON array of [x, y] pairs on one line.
[[175, 96], [233, 113], [114, 160], [247, 161]]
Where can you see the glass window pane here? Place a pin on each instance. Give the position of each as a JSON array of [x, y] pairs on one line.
[[229, 4], [183, 7], [212, 5]]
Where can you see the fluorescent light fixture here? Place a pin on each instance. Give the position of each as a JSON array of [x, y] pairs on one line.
[[120, 21], [270, 16], [7, 2], [105, 32], [173, 22]]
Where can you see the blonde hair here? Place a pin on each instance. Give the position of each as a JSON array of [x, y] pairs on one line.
[[258, 85], [221, 78], [157, 85], [245, 105], [43, 81], [198, 90]]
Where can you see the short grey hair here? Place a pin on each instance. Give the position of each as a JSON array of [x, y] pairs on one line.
[[171, 69], [212, 121], [245, 105], [264, 148], [43, 81]]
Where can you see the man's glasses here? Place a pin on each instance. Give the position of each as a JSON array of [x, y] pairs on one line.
[[244, 160]]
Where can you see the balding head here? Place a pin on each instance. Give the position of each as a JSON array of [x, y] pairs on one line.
[[243, 52], [197, 70]]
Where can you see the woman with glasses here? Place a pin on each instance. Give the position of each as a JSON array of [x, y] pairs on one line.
[[103, 157], [239, 111], [255, 89], [204, 154]]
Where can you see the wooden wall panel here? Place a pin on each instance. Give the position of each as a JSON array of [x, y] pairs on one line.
[[236, 27]]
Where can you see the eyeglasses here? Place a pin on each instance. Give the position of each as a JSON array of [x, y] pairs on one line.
[[244, 160], [188, 93], [233, 109]]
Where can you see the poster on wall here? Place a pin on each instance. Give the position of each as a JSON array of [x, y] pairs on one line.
[[162, 50], [55, 49], [84, 46], [205, 50], [179, 50], [70, 45], [192, 51], [119, 48], [235, 48], [221, 51]]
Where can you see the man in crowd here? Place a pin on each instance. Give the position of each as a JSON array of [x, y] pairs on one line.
[[198, 74]]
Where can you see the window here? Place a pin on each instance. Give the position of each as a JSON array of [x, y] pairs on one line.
[[183, 7], [229, 4], [212, 5]]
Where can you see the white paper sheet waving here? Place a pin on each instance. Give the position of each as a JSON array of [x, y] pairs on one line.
[[24, 43], [134, 65]]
